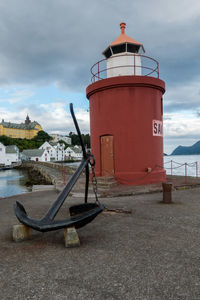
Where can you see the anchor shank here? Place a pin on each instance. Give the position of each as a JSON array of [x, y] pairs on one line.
[[78, 130], [51, 213]]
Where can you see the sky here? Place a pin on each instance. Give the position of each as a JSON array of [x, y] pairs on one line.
[[47, 48]]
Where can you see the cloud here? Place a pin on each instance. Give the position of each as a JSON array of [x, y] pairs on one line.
[[46, 42], [15, 95], [181, 125], [183, 96], [180, 128], [53, 117]]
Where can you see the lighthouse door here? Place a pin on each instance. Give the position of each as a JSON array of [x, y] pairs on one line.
[[107, 155]]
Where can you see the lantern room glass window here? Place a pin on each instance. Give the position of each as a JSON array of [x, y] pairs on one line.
[[107, 53], [133, 48], [119, 48]]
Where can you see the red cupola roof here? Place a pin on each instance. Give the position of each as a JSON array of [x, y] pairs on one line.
[[123, 39]]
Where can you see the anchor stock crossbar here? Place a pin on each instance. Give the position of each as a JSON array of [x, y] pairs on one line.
[[81, 214]]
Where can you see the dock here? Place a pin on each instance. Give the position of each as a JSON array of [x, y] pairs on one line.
[[152, 252]]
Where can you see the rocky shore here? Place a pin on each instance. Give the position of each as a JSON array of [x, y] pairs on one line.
[[36, 178]]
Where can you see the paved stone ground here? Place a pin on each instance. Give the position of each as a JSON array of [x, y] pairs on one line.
[[153, 253]]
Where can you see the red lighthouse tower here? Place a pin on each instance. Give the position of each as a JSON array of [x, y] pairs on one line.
[[126, 114]]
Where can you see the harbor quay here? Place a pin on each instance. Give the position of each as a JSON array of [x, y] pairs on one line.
[[138, 248], [58, 175]]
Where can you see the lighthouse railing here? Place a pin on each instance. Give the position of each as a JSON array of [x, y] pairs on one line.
[[148, 67]]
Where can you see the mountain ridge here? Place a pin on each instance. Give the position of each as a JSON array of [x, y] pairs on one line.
[[187, 150]]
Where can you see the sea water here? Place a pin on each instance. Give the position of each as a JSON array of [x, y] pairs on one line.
[[181, 164], [12, 182]]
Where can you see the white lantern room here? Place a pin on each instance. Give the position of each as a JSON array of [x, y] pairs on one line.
[[123, 56]]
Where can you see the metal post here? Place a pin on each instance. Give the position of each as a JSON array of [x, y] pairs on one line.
[[98, 70], [185, 172], [64, 174], [196, 168], [167, 192], [134, 64], [171, 166]]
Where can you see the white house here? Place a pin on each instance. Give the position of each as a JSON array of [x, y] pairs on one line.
[[73, 153], [35, 155], [60, 151], [2, 154], [9, 155], [12, 154], [55, 150], [50, 149]]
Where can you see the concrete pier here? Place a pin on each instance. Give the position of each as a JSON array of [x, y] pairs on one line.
[[152, 253], [107, 187]]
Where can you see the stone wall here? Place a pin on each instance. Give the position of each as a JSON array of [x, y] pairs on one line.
[[51, 172], [56, 166]]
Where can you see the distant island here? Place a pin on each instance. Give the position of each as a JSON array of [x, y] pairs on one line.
[[187, 150]]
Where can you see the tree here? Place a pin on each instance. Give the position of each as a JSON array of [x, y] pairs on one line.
[[75, 139], [5, 140], [42, 136], [86, 139], [23, 144]]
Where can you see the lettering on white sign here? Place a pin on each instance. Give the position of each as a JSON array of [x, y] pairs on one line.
[[157, 128]]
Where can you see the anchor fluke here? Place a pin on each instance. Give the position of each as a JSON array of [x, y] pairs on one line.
[[80, 218], [20, 208]]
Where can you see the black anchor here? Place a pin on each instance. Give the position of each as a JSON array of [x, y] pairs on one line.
[[81, 214]]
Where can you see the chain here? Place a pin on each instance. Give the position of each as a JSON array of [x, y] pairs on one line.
[[94, 183], [94, 180]]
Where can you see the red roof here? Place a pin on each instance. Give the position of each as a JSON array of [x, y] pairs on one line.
[[123, 38]]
